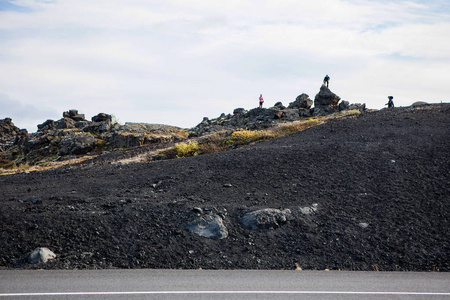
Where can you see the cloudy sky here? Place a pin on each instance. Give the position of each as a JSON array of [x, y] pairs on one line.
[[176, 61]]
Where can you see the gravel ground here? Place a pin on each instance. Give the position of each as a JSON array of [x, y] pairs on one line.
[[365, 193]]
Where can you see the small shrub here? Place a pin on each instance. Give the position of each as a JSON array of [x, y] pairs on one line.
[[187, 149]]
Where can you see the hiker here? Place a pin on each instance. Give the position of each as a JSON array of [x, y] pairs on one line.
[[390, 103], [326, 80], [261, 100]]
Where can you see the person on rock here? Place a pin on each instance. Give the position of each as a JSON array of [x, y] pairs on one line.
[[390, 103], [261, 100], [326, 80]]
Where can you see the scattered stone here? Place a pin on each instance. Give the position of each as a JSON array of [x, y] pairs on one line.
[[197, 210], [85, 255], [209, 226], [363, 225], [266, 218], [307, 210], [358, 106], [39, 255], [34, 200]]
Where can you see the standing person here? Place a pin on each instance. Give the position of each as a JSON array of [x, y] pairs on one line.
[[390, 103], [326, 80], [261, 100]]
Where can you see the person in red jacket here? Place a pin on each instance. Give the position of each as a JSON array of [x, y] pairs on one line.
[[261, 100]]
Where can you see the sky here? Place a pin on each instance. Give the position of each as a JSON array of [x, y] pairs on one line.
[[176, 61]]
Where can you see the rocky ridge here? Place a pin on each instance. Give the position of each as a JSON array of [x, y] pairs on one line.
[[325, 103], [73, 136]]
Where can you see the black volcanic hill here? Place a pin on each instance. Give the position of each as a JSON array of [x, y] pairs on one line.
[[370, 192]]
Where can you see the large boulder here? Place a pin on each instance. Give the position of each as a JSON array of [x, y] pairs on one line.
[[47, 125], [8, 128], [209, 226], [325, 102], [302, 101], [101, 117], [98, 127], [39, 255], [73, 114], [268, 218], [65, 123], [77, 143], [279, 105], [263, 115], [326, 98], [344, 105]]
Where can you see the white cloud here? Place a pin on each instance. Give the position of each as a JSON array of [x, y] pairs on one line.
[[174, 61]]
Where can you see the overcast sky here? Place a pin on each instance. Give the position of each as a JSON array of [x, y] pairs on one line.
[[177, 61]]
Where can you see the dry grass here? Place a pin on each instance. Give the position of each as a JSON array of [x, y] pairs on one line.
[[350, 112], [43, 166], [217, 142], [244, 137], [293, 127]]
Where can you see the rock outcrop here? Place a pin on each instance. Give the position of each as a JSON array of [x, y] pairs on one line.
[[74, 135], [209, 226], [77, 143], [10, 134], [268, 218], [302, 101], [325, 102]]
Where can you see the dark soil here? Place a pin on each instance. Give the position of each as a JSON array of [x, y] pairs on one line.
[[389, 169]]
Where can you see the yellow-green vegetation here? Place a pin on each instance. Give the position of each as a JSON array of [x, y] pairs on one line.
[[187, 149], [42, 166], [221, 141], [244, 137], [289, 128]]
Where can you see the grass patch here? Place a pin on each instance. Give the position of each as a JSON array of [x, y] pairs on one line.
[[289, 128], [350, 112], [244, 137]]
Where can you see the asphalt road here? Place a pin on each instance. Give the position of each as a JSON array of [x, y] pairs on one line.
[[202, 284]]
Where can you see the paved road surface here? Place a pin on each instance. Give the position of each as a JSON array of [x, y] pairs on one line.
[[202, 284]]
